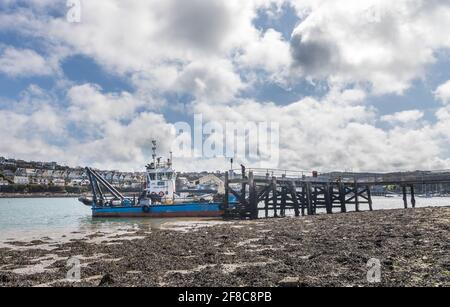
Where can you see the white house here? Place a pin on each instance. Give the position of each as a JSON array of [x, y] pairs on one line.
[[59, 182], [47, 174], [39, 180], [79, 183], [31, 172], [21, 180], [183, 181], [66, 174], [57, 175]]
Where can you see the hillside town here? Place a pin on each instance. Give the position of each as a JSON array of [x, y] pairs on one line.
[[21, 172], [19, 176]]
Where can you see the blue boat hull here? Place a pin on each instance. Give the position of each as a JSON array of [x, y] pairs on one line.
[[162, 211]]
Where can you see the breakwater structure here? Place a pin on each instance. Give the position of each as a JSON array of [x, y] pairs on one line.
[[271, 193]]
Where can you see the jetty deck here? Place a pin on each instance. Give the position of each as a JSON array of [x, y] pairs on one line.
[[274, 192]]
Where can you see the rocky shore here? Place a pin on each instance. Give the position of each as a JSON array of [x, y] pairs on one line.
[[413, 247]]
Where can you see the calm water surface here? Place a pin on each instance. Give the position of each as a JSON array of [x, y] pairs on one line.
[[25, 218], [21, 218]]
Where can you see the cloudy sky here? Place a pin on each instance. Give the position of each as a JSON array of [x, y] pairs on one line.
[[355, 85]]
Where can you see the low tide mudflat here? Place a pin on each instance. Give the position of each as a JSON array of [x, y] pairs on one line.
[[326, 250]]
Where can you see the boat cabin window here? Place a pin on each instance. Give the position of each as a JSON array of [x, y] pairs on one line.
[[160, 176], [165, 176]]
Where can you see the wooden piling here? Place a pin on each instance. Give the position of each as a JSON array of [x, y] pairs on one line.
[[295, 199], [314, 200], [275, 196], [413, 197], [405, 197], [308, 192], [302, 199], [253, 202], [283, 202], [226, 205], [342, 196], [328, 202], [266, 205], [369, 198], [243, 186], [356, 190]]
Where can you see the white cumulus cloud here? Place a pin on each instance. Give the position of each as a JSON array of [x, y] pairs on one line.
[[442, 93], [22, 63], [403, 117], [386, 44]]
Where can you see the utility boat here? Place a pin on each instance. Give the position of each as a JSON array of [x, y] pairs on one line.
[[158, 199]]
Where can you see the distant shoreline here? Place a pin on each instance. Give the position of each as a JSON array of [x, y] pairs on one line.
[[39, 195], [51, 195]]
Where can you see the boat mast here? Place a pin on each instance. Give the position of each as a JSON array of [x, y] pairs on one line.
[[154, 152]]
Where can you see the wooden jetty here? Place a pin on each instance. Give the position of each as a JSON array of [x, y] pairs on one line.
[[271, 193]]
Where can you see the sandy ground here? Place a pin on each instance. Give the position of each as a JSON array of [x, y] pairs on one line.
[[413, 247]]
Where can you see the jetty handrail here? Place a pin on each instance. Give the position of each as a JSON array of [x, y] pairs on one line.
[[273, 172], [365, 178]]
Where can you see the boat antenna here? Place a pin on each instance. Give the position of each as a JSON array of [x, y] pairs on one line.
[[154, 150], [170, 159]]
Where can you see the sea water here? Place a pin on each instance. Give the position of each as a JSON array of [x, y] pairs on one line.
[[34, 218]]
